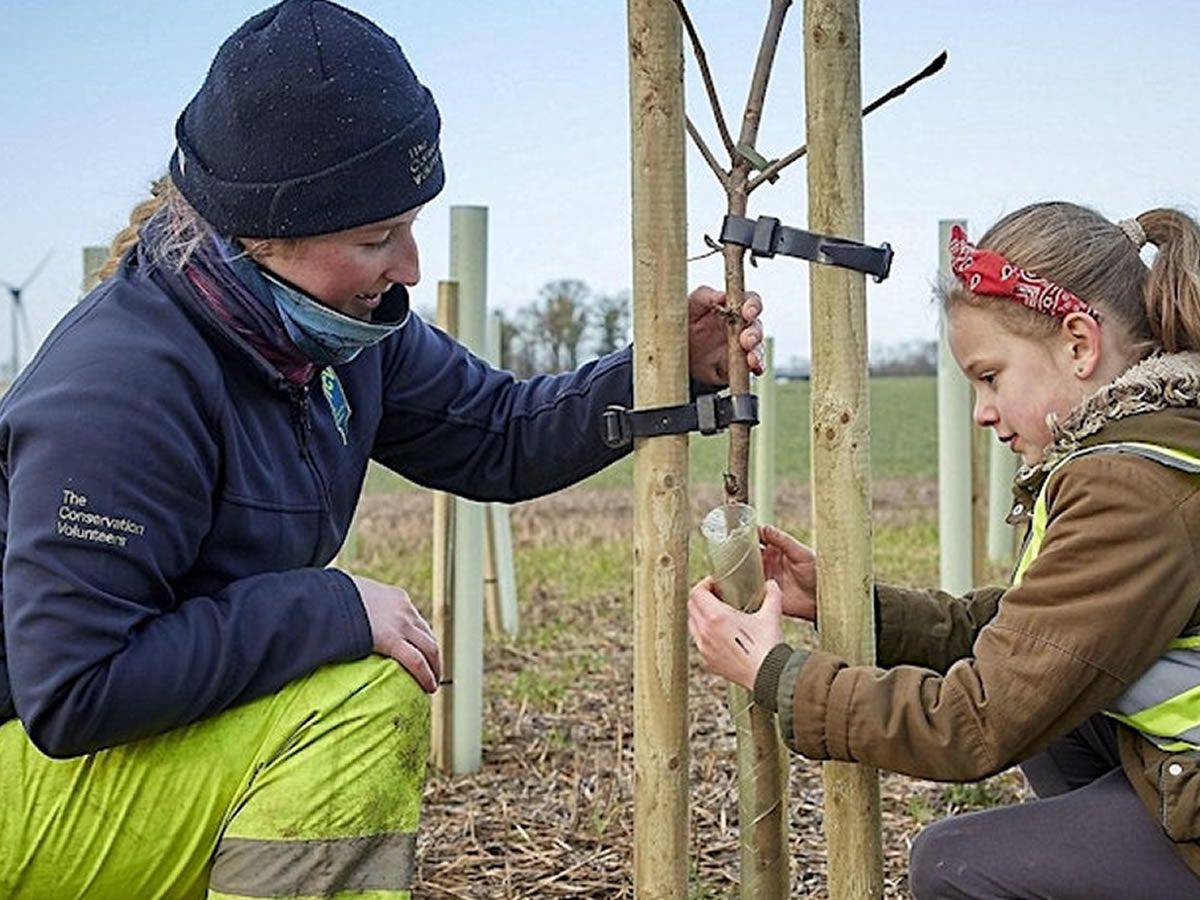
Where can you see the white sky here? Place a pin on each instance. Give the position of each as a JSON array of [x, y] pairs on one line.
[[1077, 100]]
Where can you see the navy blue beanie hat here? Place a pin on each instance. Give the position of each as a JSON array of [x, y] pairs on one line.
[[310, 121]]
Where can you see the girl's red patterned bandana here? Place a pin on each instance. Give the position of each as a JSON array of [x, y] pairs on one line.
[[987, 272]]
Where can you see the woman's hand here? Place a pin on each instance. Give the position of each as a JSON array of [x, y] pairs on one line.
[[733, 643], [793, 566], [708, 335], [398, 631]]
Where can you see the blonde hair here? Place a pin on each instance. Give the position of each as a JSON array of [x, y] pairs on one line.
[[1078, 249], [181, 229]]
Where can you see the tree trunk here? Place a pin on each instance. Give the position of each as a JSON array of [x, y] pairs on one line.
[[840, 420], [661, 514]]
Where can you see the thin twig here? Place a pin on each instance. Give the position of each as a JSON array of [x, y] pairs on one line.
[[721, 174], [714, 247], [776, 167], [706, 75], [932, 69]]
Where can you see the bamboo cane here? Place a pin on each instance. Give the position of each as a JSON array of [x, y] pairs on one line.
[[661, 512], [840, 420]]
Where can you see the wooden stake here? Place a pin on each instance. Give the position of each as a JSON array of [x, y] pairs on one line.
[[661, 514], [442, 588], [762, 760], [840, 420]]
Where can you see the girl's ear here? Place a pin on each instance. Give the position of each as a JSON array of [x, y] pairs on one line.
[[1082, 342]]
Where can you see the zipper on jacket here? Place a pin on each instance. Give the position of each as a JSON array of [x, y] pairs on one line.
[[301, 419]]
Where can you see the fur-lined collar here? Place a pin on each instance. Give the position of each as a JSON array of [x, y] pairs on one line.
[[1163, 381]]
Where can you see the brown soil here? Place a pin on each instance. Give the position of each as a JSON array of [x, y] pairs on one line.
[[551, 812]]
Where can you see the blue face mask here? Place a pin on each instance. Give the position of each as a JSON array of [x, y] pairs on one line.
[[325, 335]]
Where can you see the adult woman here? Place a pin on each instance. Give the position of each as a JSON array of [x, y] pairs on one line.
[[182, 460]]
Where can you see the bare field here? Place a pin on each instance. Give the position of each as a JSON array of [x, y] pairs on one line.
[[551, 813], [581, 514]]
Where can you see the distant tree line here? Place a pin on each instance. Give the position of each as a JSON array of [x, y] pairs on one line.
[[917, 357], [567, 324]]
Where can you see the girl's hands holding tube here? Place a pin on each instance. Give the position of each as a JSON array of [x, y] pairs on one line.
[[793, 566], [733, 644]]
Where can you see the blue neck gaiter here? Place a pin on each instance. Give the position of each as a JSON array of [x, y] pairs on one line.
[[326, 336]]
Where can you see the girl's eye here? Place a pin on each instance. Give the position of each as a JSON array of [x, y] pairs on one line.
[[988, 377]]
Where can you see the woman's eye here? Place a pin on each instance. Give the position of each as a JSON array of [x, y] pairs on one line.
[[379, 244], [988, 377]]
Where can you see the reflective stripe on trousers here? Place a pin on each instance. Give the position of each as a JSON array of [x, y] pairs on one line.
[[262, 868]]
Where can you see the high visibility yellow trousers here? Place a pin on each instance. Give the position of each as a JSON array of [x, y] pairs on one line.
[[312, 792]]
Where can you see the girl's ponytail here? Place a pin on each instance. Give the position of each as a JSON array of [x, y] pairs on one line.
[[1172, 294]]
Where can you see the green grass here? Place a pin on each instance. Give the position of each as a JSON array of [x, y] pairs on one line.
[[903, 432], [903, 438], [904, 444]]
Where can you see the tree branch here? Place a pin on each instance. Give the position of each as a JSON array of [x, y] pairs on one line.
[[762, 71], [932, 69], [714, 247], [706, 75], [721, 174], [776, 167]]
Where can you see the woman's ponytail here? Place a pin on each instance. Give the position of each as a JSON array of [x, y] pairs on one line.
[[128, 236], [181, 230]]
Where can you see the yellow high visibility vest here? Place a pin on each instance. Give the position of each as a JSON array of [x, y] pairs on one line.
[[1164, 703]]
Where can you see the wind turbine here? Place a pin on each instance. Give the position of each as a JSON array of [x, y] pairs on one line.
[[19, 320]]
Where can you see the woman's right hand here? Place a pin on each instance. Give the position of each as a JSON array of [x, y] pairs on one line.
[[399, 631], [793, 566]]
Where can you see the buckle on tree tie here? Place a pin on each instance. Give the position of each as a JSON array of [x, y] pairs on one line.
[[709, 414], [766, 236]]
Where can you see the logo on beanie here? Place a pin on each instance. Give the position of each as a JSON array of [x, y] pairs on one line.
[[422, 160]]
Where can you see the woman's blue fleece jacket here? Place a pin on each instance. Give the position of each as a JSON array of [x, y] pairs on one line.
[[168, 502]]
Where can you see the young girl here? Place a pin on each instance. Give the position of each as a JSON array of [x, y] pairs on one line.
[[1086, 669], [228, 716]]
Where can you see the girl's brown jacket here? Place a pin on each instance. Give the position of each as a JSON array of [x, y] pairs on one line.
[[968, 686]]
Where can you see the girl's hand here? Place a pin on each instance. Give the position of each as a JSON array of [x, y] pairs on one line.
[[399, 631], [793, 566], [708, 354], [733, 643]]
